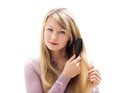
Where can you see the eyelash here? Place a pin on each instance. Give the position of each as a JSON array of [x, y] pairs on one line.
[[49, 29], [62, 32]]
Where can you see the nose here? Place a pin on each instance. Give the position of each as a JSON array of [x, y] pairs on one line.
[[54, 36]]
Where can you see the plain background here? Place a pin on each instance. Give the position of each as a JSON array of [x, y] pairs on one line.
[[20, 25]]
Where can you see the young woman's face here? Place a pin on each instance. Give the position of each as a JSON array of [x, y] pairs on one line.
[[55, 36]]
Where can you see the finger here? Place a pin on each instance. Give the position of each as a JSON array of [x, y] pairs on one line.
[[94, 78], [72, 58], [95, 82], [93, 71], [78, 64], [77, 59], [92, 65], [95, 74]]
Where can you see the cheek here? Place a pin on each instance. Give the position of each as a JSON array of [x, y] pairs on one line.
[[64, 41], [46, 35]]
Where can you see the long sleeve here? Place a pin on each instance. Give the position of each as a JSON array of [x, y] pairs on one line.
[[96, 90], [60, 85], [32, 79]]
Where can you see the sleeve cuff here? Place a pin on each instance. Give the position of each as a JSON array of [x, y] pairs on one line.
[[63, 80]]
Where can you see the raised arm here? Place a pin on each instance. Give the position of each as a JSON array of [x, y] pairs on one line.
[[33, 80], [60, 84]]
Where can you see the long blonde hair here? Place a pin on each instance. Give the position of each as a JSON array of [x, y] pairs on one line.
[[49, 74]]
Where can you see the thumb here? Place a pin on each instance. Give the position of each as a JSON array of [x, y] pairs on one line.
[[91, 65]]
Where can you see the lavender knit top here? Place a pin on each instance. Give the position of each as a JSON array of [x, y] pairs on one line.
[[33, 80]]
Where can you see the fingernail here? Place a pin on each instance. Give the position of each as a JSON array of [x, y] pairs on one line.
[[79, 57], [74, 55]]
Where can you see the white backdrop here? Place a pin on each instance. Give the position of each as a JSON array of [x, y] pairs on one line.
[[20, 25]]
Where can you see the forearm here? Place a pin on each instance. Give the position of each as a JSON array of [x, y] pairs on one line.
[[60, 85]]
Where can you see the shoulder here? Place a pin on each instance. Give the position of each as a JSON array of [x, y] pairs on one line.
[[32, 77], [32, 65]]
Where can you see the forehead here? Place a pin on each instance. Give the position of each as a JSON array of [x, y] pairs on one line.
[[53, 23]]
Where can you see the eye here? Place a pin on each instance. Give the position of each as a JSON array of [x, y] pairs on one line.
[[49, 29], [62, 32]]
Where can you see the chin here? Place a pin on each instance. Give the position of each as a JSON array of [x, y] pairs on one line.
[[52, 48]]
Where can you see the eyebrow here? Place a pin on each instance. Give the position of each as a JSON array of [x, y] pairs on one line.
[[53, 27], [50, 26]]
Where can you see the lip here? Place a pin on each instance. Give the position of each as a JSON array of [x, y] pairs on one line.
[[53, 43]]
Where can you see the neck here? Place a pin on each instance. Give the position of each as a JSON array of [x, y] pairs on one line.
[[56, 55], [60, 57]]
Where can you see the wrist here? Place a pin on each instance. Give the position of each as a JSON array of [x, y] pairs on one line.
[[65, 74]]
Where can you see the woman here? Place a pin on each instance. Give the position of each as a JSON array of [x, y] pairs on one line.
[[59, 69]]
